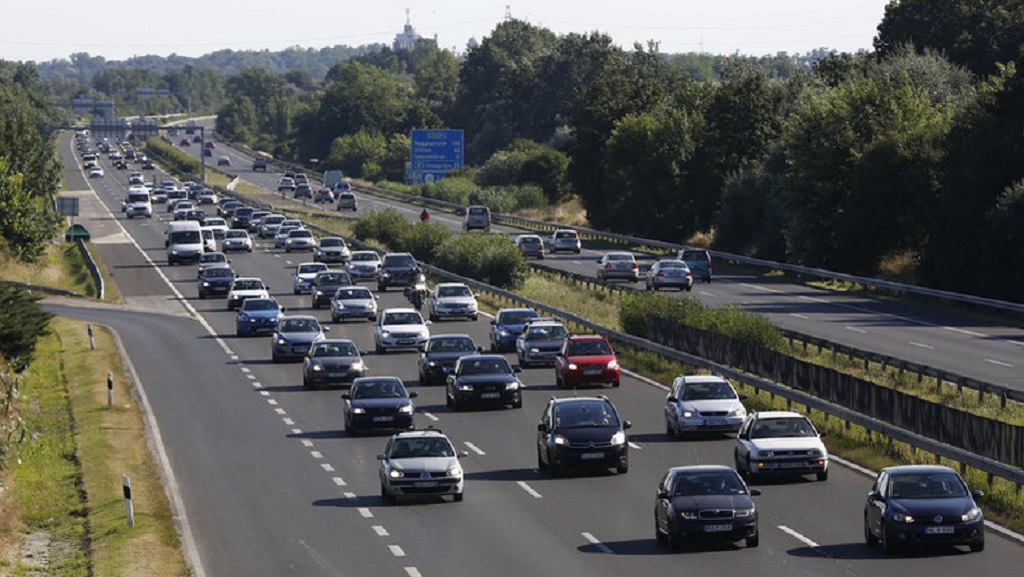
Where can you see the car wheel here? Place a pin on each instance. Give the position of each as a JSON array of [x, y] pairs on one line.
[[249, 249], [315, 304], [671, 432], [335, 318], [559, 382], [275, 358], [458, 497], [541, 465], [615, 384], [675, 540], [305, 383], [382, 288], [623, 468], [380, 349], [689, 288], [869, 537], [978, 546], [518, 404], [754, 540], [202, 296], [295, 291], [823, 476], [448, 401], [660, 537]]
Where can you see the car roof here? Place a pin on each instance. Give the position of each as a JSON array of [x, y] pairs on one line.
[[303, 317], [912, 469], [699, 468], [570, 400], [451, 284], [587, 338], [450, 335], [339, 341], [419, 433], [708, 379], [778, 415]]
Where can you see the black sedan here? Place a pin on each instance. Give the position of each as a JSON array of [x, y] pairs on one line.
[[332, 361], [922, 504], [215, 280], [582, 433], [704, 503], [378, 403], [440, 354], [483, 380]]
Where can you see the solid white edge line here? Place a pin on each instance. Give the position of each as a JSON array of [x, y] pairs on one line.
[[798, 536], [594, 541]]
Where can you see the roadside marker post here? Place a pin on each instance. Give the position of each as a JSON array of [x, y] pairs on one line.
[[110, 389], [129, 510]]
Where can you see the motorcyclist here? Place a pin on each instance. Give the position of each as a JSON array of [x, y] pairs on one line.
[[425, 215], [416, 290]]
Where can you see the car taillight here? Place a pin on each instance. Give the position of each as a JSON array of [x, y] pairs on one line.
[[609, 265], [634, 265], [660, 273]]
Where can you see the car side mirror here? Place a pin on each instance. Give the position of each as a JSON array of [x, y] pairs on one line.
[[754, 492], [663, 495], [413, 394], [977, 493], [462, 454], [626, 425], [494, 323], [874, 496], [346, 396], [326, 329], [743, 397], [598, 261], [672, 399], [284, 309], [428, 323], [382, 457], [517, 369], [822, 433], [541, 427]]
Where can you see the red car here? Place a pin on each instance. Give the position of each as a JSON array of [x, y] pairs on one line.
[[586, 360]]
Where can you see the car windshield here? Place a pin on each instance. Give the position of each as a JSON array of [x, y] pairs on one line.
[[451, 345], [694, 255], [332, 242], [782, 427], [219, 273], [378, 389], [454, 291], [399, 260], [311, 268], [665, 264], [702, 391], [565, 235], [248, 285], [424, 447], [619, 256], [299, 326], [259, 305], [235, 234], [300, 233], [208, 257], [550, 332], [365, 257], [334, 350], [334, 278], [529, 240], [515, 317], [588, 347], [477, 210], [584, 414], [941, 485], [410, 318], [707, 483], [352, 294], [485, 366]]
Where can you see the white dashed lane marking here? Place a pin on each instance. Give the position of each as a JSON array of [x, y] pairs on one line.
[[289, 422], [474, 448], [380, 530], [594, 541], [798, 536], [856, 330], [327, 467], [339, 481], [316, 454], [396, 550], [307, 443], [1000, 363], [633, 445], [529, 490], [430, 416], [921, 345]]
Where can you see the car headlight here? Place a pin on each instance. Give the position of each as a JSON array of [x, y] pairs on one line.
[[560, 440], [738, 412], [761, 454], [385, 334], [685, 414], [385, 274], [358, 366], [405, 410], [744, 513], [396, 473], [618, 438], [465, 387], [358, 411], [512, 386], [317, 367], [431, 363], [319, 293], [338, 304], [688, 514], [281, 341], [903, 517], [206, 284], [613, 364], [534, 350], [973, 515], [503, 333], [572, 366], [455, 470]]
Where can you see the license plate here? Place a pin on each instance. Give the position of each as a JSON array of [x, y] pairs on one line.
[[406, 341], [337, 375], [717, 528], [383, 419], [716, 422], [941, 530], [792, 465], [425, 484], [591, 456], [592, 372], [490, 395]]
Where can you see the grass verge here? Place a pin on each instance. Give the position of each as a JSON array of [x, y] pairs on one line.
[[67, 487]]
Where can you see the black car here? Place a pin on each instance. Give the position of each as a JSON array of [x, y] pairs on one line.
[[704, 503], [582, 433], [325, 284], [242, 217], [215, 280], [483, 380], [332, 361], [378, 403], [396, 269], [440, 354], [921, 505]]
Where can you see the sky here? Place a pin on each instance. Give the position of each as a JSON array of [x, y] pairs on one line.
[[49, 29]]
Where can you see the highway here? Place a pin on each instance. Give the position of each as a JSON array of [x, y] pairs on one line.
[[271, 485], [957, 343]]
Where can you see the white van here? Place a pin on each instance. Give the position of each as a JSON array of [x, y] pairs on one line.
[[478, 217], [138, 203], [184, 242]]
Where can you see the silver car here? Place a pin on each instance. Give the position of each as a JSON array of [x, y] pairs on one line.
[[703, 404], [565, 240], [363, 265], [669, 273], [269, 225], [420, 463], [400, 329], [451, 300], [302, 278], [299, 239], [353, 302], [540, 342], [782, 443], [294, 336], [530, 245], [236, 240], [618, 265], [333, 249]]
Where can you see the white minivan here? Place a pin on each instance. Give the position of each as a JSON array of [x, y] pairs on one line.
[[138, 203], [184, 242]]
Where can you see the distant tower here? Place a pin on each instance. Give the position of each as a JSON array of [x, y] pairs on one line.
[[508, 12], [408, 38]]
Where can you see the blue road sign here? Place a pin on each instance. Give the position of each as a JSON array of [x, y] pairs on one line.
[[436, 151]]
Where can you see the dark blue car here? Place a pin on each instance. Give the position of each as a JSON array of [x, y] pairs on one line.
[[258, 316], [215, 280], [507, 326]]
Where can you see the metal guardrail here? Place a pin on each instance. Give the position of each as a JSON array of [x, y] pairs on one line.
[[94, 270]]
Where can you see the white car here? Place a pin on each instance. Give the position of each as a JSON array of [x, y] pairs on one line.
[[564, 240], [181, 207], [135, 178], [299, 239], [269, 225], [236, 240], [618, 265], [209, 239], [96, 172], [219, 226], [207, 196], [333, 249], [780, 443], [285, 184], [703, 404], [412, 456], [400, 329], [302, 278], [245, 288], [282, 234], [451, 300]]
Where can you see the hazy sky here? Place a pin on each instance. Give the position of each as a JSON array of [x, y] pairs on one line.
[[116, 30]]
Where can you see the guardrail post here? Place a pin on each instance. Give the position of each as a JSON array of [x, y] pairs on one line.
[[92, 341], [1002, 404]]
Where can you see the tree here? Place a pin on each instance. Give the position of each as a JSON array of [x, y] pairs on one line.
[[526, 162], [22, 322]]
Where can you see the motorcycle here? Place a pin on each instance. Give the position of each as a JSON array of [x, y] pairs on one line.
[[416, 291]]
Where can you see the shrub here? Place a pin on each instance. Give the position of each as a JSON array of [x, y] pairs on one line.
[[388, 227], [22, 322], [492, 259], [424, 239]]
